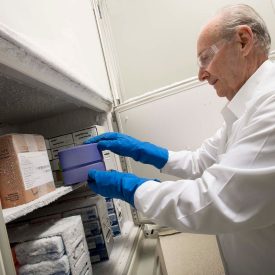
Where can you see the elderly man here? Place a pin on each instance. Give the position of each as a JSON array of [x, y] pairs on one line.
[[227, 186]]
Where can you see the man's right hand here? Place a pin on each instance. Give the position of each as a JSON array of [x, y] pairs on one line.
[[124, 145]]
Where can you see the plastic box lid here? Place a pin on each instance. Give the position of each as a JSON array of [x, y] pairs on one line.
[[78, 156]]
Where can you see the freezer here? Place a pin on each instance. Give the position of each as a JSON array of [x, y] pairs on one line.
[[68, 71]]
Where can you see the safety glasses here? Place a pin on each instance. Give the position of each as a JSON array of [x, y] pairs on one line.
[[206, 57]]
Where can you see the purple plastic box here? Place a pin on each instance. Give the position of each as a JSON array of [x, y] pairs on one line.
[[77, 161], [80, 155], [80, 174]]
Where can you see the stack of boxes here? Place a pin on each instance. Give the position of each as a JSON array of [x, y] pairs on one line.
[[94, 215], [99, 229], [115, 216], [57, 247], [101, 219], [74, 139], [55, 144]]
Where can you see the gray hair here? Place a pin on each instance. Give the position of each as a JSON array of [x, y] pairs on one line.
[[240, 14]]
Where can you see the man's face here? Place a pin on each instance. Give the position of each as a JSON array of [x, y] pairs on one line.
[[221, 64]]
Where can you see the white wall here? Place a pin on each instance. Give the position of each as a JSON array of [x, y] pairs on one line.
[[156, 39]]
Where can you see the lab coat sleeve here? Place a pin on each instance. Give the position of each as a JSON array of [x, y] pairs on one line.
[[234, 194], [190, 165]]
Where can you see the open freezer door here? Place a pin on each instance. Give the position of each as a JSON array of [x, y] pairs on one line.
[[177, 117]]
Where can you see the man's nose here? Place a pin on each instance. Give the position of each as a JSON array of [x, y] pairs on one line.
[[203, 74]]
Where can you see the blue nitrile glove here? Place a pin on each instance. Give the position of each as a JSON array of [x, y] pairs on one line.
[[127, 146], [114, 184]]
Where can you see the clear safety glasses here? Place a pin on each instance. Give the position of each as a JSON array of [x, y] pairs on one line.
[[206, 57]]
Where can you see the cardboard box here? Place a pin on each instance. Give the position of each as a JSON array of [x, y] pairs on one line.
[[82, 135], [109, 160], [60, 141], [25, 171]]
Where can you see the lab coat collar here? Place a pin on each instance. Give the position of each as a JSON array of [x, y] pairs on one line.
[[237, 106]]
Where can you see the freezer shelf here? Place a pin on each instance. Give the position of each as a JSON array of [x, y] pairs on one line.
[[13, 213]]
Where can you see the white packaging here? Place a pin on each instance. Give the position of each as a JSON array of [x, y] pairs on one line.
[[91, 208], [60, 141], [82, 135], [35, 169], [109, 160], [69, 229]]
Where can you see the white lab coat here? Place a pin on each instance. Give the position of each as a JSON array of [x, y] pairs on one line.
[[228, 184]]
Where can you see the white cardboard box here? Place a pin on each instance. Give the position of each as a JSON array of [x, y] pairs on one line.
[[82, 135], [60, 141], [72, 232]]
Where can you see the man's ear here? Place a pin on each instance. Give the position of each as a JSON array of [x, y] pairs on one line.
[[245, 37]]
